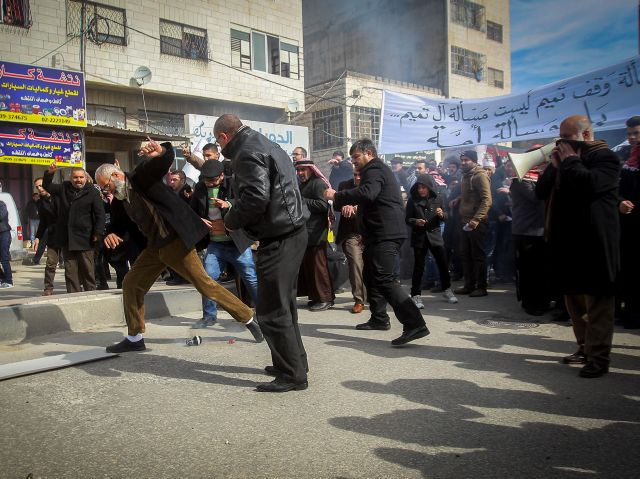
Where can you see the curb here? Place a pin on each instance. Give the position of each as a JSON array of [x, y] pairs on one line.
[[41, 316]]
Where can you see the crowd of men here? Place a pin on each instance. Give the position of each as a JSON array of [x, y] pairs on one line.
[[269, 218]]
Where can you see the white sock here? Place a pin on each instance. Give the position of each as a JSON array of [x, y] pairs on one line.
[[249, 322], [135, 338]]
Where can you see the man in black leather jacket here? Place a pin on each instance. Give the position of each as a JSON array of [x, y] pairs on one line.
[[381, 212], [269, 207]]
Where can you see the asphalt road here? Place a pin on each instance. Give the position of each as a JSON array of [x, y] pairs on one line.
[[484, 396]]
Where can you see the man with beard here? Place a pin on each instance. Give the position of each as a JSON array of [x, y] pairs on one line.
[[474, 204], [172, 230], [381, 210], [314, 279], [583, 233], [79, 224]]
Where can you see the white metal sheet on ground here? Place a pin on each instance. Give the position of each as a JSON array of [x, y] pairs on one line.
[[33, 366]]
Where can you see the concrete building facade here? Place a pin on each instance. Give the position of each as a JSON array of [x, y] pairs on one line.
[[205, 57], [437, 48]]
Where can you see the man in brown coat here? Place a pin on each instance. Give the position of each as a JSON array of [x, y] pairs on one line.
[[475, 201]]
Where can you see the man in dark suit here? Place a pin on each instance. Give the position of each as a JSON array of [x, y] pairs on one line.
[[269, 207], [582, 230], [79, 225], [172, 230], [381, 211]]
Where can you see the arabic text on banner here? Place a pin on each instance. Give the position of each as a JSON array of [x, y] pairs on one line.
[[30, 94], [413, 123], [39, 145]]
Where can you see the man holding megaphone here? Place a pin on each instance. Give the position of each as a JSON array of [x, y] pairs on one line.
[[580, 188]]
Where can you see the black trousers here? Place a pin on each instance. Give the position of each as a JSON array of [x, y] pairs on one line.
[[277, 265], [379, 261], [440, 256], [532, 271], [474, 257]]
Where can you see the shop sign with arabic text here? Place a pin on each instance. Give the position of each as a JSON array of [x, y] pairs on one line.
[[37, 145], [48, 96]]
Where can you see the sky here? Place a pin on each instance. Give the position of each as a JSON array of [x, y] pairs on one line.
[[554, 40]]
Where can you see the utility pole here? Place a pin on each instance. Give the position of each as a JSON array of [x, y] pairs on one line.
[[83, 21]]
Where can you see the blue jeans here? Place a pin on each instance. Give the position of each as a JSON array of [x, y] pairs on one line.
[[33, 227], [217, 256], [5, 257]]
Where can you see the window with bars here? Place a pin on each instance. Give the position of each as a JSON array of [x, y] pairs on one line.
[[365, 123], [183, 41], [15, 12], [496, 77], [267, 53], [467, 63], [328, 128], [494, 31], [106, 24], [171, 124], [469, 14], [106, 116]]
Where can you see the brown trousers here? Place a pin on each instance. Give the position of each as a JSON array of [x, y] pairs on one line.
[[79, 270], [53, 256], [592, 318], [353, 249], [149, 265]]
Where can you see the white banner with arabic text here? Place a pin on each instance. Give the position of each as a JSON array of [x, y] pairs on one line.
[[413, 123]]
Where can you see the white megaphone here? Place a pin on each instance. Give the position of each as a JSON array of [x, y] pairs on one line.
[[523, 162]]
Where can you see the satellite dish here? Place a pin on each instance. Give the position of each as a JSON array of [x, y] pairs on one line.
[[142, 76], [293, 105]]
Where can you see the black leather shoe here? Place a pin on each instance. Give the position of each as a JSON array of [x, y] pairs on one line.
[[281, 386], [177, 282], [593, 370], [254, 327], [126, 346], [576, 358], [374, 325], [411, 335], [320, 306]]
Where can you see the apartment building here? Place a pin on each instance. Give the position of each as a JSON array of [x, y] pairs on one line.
[[148, 63], [436, 48]]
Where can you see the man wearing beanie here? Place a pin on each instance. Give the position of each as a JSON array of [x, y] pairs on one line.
[[475, 201], [211, 201]]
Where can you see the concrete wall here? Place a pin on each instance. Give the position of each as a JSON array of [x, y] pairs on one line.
[[400, 40]]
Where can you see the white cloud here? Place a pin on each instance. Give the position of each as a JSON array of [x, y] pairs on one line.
[[554, 40]]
